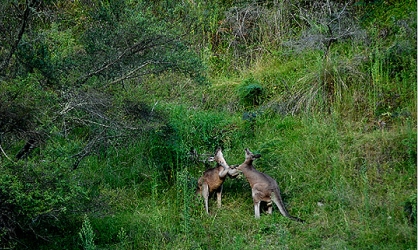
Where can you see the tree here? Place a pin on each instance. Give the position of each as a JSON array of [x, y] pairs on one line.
[[64, 65], [15, 19]]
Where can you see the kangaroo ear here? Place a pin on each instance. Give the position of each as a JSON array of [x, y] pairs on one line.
[[210, 159], [257, 156]]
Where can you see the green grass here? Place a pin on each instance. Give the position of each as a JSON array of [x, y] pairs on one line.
[[314, 122], [349, 185], [352, 181]]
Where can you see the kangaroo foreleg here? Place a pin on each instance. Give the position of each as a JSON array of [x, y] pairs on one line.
[[224, 172], [233, 172]]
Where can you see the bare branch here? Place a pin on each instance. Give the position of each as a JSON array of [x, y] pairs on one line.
[[134, 49], [130, 73], [1, 148], [340, 14]]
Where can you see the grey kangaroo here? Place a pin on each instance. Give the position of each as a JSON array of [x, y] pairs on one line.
[[213, 178], [263, 187]]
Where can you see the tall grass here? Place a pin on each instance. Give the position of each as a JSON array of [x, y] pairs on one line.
[[352, 181], [315, 123], [351, 186]]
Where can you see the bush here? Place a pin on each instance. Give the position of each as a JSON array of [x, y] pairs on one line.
[[35, 199], [87, 235], [250, 92]]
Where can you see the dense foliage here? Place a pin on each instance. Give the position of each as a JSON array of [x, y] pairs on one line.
[[109, 110]]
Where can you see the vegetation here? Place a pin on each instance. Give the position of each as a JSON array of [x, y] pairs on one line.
[[108, 110]]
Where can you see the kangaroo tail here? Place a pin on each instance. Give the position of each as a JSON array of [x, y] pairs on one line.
[[277, 199]]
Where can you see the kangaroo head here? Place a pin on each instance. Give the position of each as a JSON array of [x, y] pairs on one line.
[[219, 158], [249, 158]]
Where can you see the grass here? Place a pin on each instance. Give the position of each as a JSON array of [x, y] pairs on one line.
[[350, 186], [315, 125], [339, 136], [351, 180]]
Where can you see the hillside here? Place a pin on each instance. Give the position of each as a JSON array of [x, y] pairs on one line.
[[110, 109]]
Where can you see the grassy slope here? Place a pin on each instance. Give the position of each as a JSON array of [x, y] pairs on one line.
[[350, 187], [348, 179]]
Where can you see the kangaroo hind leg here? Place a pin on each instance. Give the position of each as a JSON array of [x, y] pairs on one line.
[[205, 194], [269, 207], [219, 196]]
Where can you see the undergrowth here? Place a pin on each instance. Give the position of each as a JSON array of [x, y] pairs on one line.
[[335, 124], [352, 187]]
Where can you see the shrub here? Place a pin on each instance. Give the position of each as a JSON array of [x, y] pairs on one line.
[[35, 199], [250, 92], [87, 235]]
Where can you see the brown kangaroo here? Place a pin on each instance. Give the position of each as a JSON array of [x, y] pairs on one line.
[[263, 187], [213, 178]]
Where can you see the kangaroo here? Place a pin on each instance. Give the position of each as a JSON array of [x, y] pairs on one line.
[[263, 187], [213, 178]]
